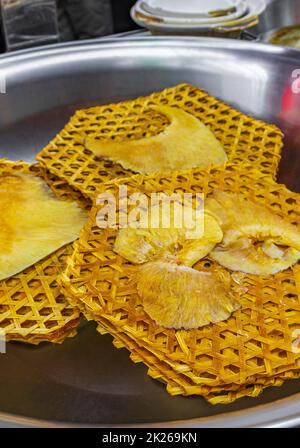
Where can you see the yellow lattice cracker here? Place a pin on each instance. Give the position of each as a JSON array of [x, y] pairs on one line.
[[175, 379], [32, 308], [244, 138], [178, 384], [60, 187], [254, 345]]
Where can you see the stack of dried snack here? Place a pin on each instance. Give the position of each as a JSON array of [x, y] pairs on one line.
[[37, 229], [214, 315], [244, 139], [251, 349]]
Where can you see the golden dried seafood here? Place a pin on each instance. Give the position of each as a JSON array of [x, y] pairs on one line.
[[237, 357], [243, 137], [32, 307], [181, 297], [256, 240], [140, 245], [34, 223], [185, 143], [173, 294]]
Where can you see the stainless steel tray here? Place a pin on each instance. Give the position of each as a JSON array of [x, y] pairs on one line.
[[71, 384], [278, 14]]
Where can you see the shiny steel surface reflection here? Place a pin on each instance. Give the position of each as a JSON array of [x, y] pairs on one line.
[[44, 86]]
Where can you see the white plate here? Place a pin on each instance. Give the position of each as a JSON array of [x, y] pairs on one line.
[[190, 6], [200, 9], [255, 8], [184, 21], [179, 18]]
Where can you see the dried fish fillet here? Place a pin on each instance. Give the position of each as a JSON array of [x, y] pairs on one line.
[[185, 143], [33, 223], [256, 240], [181, 297], [140, 245]]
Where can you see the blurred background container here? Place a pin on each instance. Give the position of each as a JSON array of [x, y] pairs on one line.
[[218, 18], [279, 13], [27, 23]]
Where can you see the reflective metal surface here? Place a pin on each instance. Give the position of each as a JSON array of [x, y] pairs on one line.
[[278, 14], [85, 380]]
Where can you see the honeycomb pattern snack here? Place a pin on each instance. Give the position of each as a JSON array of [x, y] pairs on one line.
[[178, 384], [32, 308], [237, 357], [245, 139]]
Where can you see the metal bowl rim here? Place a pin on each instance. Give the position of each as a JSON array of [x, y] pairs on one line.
[[201, 42], [284, 412]]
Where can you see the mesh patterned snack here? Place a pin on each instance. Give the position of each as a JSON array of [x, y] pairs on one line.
[[185, 143], [173, 376], [32, 308], [245, 139], [178, 384], [255, 345]]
